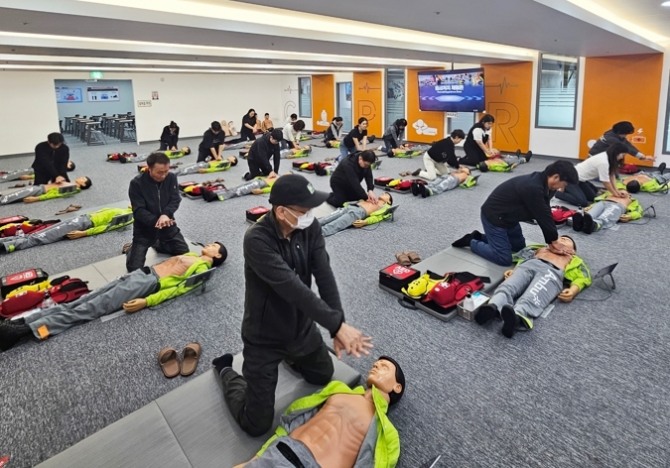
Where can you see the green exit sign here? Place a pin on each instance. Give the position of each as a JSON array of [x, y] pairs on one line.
[[95, 75]]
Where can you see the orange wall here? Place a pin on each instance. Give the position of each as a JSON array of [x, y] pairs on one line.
[[368, 101], [433, 120], [508, 99], [323, 99], [622, 88]]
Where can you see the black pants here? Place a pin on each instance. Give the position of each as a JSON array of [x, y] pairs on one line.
[[472, 157], [255, 170], [251, 396], [580, 194], [168, 240]]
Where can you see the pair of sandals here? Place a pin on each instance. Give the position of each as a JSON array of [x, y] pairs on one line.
[[407, 258], [172, 366], [69, 209]]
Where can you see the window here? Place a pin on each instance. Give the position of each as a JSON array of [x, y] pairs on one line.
[[305, 98], [557, 92], [395, 95]]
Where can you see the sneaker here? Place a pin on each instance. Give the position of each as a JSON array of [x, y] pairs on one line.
[[11, 334], [486, 313], [415, 188], [529, 155], [578, 221], [209, 195], [661, 168], [510, 321], [589, 224], [425, 191], [416, 173]]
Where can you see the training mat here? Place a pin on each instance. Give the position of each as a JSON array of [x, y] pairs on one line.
[[449, 260], [189, 426]]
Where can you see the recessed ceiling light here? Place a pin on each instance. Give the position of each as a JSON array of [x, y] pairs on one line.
[[665, 4]]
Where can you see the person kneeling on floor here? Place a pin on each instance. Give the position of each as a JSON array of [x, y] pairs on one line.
[[133, 291], [360, 214], [533, 285], [339, 426]]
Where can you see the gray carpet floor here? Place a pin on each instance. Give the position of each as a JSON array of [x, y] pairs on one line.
[[589, 387]]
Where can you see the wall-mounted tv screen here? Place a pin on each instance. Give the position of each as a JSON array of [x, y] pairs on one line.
[[451, 91]]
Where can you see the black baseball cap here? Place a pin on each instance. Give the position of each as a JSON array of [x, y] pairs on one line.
[[294, 189]]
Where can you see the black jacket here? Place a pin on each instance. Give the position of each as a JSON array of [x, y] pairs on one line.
[[170, 139], [444, 151], [150, 199], [280, 307], [211, 140], [50, 163], [522, 198], [346, 181], [610, 138], [261, 151], [333, 133]]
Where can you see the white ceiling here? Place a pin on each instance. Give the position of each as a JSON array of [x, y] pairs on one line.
[[301, 36]]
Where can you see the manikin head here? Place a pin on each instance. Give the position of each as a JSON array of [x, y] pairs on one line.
[[216, 251], [186, 150], [386, 198], [232, 160], [158, 166], [633, 186], [83, 182], [387, 376], [70, 165], [568, 242]]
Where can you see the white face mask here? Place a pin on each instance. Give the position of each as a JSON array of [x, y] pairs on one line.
[[304, 221]]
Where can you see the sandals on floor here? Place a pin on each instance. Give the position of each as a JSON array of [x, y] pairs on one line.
[[168, 359], [126, 247], [69, 209], [403, 259], [190, 358], [413, 257], [405, 173]]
